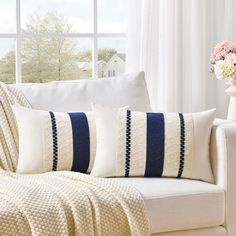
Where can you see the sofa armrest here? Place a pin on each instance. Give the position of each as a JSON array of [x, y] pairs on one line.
[[223, 159]]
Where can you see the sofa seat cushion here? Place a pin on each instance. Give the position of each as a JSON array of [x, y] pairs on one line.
[[180, 204]]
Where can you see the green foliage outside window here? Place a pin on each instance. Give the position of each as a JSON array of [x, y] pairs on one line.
[[48, 59]]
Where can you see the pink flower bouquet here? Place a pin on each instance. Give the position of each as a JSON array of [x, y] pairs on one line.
[[223, 60]]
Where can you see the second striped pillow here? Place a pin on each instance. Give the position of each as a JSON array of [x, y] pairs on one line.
[[153, 144]]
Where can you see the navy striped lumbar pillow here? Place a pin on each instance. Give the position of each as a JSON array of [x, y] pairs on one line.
[[52, 141], [153, 144]]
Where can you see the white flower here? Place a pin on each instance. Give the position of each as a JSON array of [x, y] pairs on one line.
[[226, 69], [218, 69], [230, 57]]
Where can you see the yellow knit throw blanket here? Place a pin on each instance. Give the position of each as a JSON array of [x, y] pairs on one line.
[[60, 203]]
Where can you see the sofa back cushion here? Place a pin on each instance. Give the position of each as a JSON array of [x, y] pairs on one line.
[[69, 96]]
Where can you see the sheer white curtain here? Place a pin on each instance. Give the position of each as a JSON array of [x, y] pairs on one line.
[[171, 40]]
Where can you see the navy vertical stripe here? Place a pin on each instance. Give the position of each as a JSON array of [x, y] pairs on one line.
[[128, 143], [55, 141], [81, 142], [182, 145], [155, 144]]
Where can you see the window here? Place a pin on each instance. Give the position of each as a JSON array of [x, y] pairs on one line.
[[61, 39]]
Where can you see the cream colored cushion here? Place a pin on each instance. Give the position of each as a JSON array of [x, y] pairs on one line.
[[133, 143], [180, 204], [214, 231], [129, 89], [51, 141]]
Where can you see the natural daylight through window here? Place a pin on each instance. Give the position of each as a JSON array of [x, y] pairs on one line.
[[48, 40]]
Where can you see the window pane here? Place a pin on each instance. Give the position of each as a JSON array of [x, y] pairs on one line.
[[8, 16], [7, 61], [111, 57], [57, 16], [112, 16], [45, 60]]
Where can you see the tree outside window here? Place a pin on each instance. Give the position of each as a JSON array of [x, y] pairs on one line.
[[50, 50]]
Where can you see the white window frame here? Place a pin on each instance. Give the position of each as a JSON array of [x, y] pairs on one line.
[[18, 36]]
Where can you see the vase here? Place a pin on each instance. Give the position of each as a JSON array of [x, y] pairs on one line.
[[231, 91]]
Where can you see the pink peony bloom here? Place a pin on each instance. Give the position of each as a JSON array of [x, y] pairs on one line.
[[221, 50]]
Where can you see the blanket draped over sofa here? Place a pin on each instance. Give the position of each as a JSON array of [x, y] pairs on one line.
[[60, 203]]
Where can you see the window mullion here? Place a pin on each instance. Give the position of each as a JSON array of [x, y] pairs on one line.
[[95, 40], [18, 42]]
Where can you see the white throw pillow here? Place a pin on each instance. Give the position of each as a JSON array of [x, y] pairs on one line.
[[64, 96], [131, 143], [51, 141]]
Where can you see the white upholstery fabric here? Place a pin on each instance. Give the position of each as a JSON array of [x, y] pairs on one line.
[[178, 204], [70, 96], [224, 167], [217, 231]]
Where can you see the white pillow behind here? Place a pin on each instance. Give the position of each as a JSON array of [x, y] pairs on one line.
[[153, 144], [64, 96]]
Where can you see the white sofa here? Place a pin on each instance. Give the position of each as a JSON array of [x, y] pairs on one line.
[[175, 207], [179, 207]]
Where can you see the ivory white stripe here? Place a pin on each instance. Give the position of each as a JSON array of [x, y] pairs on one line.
[[47, 140], [188, 146], [92, 139], [172, 145], [65, 141], [121, 147], [138, 143]]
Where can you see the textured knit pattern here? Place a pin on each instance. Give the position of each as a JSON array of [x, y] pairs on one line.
[[65, 146], [138, 143], [121, 152], [172, 141], [8, 129], [189, 139], [66, 203], [62, 203]]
